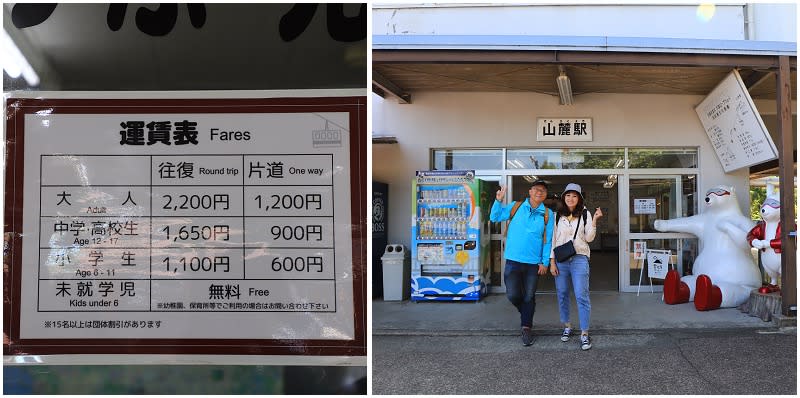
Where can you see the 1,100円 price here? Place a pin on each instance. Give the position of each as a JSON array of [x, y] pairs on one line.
[[198, 264]]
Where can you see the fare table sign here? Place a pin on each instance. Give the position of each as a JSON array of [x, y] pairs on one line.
[[734, 126], [186, 226]]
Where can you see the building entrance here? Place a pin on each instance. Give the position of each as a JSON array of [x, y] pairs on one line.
[[614, 179], [598, 191]]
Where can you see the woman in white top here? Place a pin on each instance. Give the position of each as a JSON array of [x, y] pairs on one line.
[[574, 221]]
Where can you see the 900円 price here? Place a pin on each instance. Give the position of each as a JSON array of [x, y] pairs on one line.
[[298, 232]]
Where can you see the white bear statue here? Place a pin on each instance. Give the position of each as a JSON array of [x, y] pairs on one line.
[[723, 273]]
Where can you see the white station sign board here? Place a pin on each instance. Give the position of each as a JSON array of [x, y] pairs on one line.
[[564, 129], [188, 226], [734, 126]]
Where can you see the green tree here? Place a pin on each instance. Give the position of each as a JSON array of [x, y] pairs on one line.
[[757, 197]]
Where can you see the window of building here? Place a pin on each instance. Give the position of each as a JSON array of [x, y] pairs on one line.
[[662, 158], [467, 159], [566, 158]]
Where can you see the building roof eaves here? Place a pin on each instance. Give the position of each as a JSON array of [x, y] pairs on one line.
[[582, 43]]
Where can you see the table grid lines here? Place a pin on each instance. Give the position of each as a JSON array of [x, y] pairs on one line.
[[73, 225]]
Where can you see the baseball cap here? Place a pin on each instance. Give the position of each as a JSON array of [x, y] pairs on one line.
[[539, 182], [573, 187]]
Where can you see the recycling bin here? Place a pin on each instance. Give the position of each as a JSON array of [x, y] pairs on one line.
[[396, 273]]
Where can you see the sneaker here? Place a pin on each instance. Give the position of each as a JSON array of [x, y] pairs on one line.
[[566, 334], [527, 337], [586, 342]]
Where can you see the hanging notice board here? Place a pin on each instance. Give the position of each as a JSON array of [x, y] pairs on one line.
[[734, 126], [201, 225]]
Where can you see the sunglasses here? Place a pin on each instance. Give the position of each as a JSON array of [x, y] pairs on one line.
[[718, 192]]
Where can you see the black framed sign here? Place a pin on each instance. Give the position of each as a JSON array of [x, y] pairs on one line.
[[201, 225]]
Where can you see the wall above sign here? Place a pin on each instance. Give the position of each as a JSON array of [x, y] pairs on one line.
[[563, 129]]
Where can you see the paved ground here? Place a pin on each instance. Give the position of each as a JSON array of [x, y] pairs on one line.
[[641, 346], [494, 314], [676, 361]]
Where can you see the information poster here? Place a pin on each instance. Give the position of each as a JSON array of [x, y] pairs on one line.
[[639, 248], [658, 263], [192, 226], [644, 206], [734, 126]]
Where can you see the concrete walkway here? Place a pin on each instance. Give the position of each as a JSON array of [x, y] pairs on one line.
[[611, 311]]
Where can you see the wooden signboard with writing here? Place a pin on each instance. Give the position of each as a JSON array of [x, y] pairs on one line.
[[734, 126]]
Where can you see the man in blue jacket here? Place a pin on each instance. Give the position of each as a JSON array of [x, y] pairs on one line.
[[527, 251]]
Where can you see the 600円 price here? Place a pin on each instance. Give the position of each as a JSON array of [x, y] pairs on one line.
[[298, 264]]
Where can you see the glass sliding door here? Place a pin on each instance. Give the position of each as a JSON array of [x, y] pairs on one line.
[[651, 198], [495, 277]]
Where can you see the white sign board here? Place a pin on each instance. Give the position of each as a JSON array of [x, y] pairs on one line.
[[189, 221], [644, 206], [734, 126], [563, 129], [658, 263]]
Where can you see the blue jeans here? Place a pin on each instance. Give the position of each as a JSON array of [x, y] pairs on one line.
[[521, 281], [575, 270]]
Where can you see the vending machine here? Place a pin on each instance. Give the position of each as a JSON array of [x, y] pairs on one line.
[[449, 235]]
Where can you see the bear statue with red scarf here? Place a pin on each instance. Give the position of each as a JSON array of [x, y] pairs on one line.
[[766, 236]]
